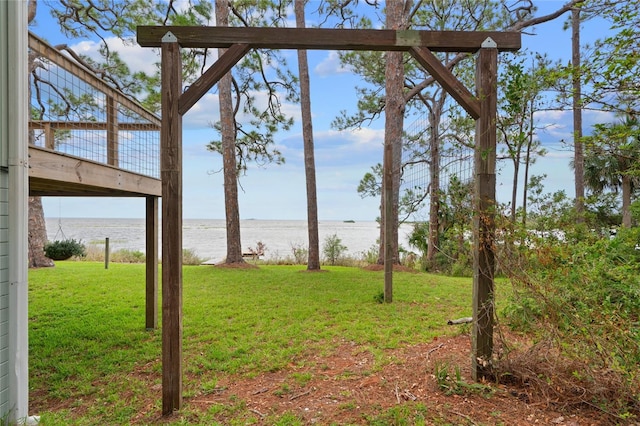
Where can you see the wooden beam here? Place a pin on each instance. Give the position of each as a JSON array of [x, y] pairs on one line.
[[447, 80], [66, 169], [215, 72], [91, 125], [484, 217], [171, 174], [39, 187], [327, 39], [151, 288]]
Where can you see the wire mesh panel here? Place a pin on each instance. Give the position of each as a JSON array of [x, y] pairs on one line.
[[415, 173], [76, 113], [454, 155]]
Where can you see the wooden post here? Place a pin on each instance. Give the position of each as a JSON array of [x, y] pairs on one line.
[[106, 253], [49, 136], [484, 218], [151, 302], [171, 175], [112, 132]]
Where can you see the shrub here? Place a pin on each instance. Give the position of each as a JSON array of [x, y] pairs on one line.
[[190, 257], [370, 256], [300, 253], [333, 249], [64, 249], [581, 299]]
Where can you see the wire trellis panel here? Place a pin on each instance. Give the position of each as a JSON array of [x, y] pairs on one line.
[[74, 112], [454, 158]]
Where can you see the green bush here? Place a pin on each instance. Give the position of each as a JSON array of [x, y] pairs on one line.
[[190, 257], [333, 249], [370, 257], [64, 249], [582, 299], [300, 254]]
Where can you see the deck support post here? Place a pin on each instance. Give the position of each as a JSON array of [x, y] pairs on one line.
[[484, 215], [171, 175], [151, 292]]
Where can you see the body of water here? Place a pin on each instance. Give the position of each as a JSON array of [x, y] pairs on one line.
[[208, 236]]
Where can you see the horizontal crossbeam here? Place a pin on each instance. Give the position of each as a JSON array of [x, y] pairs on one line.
[[327, 39], [91, 125], [55, 174]]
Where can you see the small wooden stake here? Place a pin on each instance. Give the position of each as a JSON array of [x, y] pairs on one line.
[[106, 253]]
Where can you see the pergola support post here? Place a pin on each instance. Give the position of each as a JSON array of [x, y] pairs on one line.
[[171, 175], [151, 292], [484, 217]]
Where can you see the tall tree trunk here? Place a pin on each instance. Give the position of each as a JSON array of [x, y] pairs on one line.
[[313, 263], [626, 200], [397, 13], [514, 190], [527, 159], [230, 168], [435, 115], [37, 235], [37, 225], [578, 159]]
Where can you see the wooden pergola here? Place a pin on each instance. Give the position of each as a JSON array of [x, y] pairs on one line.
[[420, 44]]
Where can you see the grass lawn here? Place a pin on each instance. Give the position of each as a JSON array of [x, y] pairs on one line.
[[93, 362]]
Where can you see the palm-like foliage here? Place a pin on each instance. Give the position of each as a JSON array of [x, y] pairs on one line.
[[612, 161]]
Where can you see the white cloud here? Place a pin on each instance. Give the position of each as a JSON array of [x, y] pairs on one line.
[[331, 65], [136, 57], [204, 113]]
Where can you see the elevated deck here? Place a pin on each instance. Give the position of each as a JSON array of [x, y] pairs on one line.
[[53, 173], [87, 138]]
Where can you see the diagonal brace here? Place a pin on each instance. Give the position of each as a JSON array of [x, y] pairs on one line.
[[447, 80], [207, 80]]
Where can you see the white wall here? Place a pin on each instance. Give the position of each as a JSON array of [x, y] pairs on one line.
[[14, 371], [4, 217]]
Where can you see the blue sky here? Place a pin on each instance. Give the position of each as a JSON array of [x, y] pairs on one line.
[[342, 158]]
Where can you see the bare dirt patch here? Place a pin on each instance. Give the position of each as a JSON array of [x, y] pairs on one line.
[[352, 386], [349, 386]]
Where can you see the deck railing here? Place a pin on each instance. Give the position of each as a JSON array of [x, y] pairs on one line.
[[75, 112]]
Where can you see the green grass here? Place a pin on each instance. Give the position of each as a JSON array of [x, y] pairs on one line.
[[87, 334]]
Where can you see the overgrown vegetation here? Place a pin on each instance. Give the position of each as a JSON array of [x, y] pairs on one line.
[[578, 296], [575, 293]]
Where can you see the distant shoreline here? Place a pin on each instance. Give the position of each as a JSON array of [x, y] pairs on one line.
[[252, 219]]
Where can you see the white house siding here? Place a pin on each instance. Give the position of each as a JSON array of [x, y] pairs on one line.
[[4, 295], [4, 218], [14, 346]]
